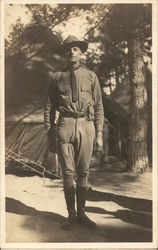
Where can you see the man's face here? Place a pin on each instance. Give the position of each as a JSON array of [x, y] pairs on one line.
[[73, 54]]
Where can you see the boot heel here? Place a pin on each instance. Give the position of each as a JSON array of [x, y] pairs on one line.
[[84, 220], [81, 193], [69, 224]]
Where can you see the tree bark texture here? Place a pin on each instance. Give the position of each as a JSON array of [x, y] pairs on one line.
[[138, 154]]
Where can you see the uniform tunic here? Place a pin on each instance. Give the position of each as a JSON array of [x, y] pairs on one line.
[[76, 136]]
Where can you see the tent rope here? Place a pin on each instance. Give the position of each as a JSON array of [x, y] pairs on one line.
[[24, 161], [14, 145], [26, 165], [23, 135]]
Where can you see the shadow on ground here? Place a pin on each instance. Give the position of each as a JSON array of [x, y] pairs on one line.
[[124, 201], [48, 224], [17, 207], [129, 216]]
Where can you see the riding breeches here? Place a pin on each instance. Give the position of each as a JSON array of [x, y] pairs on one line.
[[76, 139]]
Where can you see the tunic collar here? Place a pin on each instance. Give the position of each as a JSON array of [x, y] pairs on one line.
[[74, 66]]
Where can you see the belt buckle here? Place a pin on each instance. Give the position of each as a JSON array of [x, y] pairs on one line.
[[75, 115]]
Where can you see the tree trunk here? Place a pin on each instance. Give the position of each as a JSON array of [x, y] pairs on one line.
[[138, 156]]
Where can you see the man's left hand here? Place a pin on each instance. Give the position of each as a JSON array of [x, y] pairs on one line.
[[99, 141]]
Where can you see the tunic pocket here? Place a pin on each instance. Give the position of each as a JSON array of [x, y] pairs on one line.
[[86, 94], [86, 88], [64, 96]]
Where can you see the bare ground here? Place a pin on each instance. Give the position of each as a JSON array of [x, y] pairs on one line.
[[120, 203]]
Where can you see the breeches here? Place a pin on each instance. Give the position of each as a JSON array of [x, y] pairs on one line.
[[76, 140]]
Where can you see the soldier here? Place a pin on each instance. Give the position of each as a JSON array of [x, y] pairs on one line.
[[75, 96]]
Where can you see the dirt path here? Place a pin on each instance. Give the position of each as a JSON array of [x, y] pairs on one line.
[[119, 203]]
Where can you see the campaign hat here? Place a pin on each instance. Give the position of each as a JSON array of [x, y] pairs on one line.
[[72, 41]]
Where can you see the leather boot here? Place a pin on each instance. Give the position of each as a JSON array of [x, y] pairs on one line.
[[82, 218], [70, 202]]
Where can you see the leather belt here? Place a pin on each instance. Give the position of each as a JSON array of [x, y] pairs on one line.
[[74, 115]]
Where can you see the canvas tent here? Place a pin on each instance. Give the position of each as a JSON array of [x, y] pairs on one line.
[[27, 144]]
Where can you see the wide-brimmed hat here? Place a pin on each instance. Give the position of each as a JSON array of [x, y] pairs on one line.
[[72, 41]]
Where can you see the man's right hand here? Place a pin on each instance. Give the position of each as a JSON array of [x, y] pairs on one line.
[[52, 139]]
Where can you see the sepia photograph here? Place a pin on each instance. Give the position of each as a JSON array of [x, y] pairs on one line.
[[79, 136]]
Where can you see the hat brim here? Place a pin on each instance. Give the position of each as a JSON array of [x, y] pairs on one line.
[[80, 44]]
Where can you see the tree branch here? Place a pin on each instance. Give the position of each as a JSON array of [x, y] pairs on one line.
[[96, 25]]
